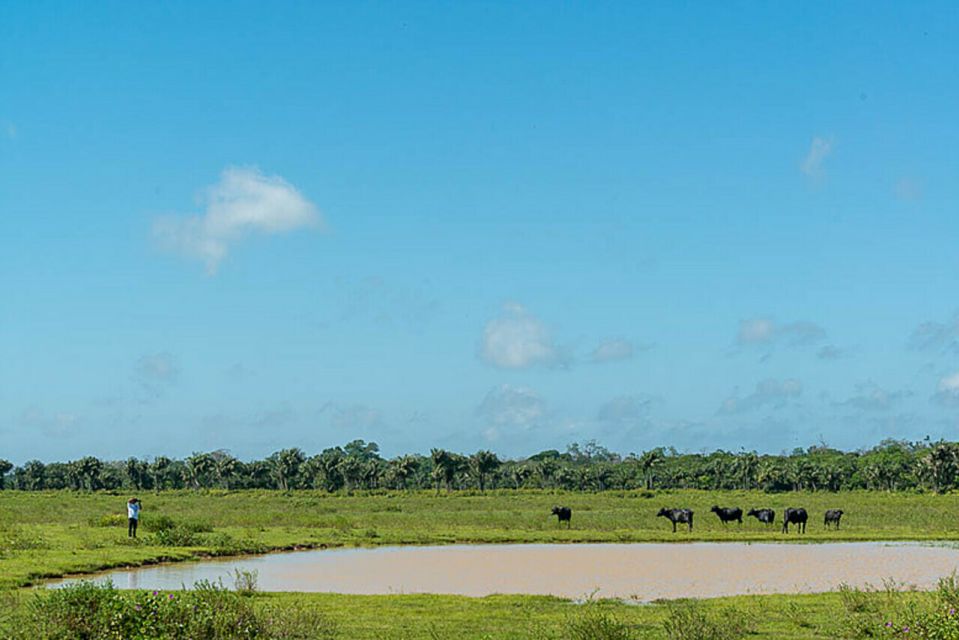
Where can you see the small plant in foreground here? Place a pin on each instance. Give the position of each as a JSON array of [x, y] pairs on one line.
[[89, 611], [595, 624], [244, 581], [688, 620]]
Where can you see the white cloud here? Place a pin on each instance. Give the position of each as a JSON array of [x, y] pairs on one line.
[[55, 425], [509, 406], [625, 410], [158, 366], [936, 336], [613, 350], [819, 150], [767, 332], [947, 391], [243, 202], [518, 340], [353, 417], [768, 393], [871, 397], [155, 372], [9, 130]]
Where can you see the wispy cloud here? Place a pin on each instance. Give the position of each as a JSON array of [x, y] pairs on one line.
[[353, 417], [947, 391], [766, 332], [936, 336], [771, 393], [518, 340], [52, 425], [511, 406], [243, 202], [831, 352], [626, 410], [871, 397], [8, 129], [613, 350], [819, 149], [155, 372]]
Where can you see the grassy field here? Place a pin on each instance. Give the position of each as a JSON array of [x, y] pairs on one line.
[[848, 614], [49, 534]]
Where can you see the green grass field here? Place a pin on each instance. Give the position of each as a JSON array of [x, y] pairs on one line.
[[50, 534]]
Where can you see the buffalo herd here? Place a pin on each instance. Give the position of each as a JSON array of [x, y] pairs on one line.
[[794, 516]]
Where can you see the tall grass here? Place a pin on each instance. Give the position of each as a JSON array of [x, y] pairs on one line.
[[88, 611]]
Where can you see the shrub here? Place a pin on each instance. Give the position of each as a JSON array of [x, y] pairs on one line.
[[89, 611], [162, 522], [176, 537], [108, 520], [686, 620], [158, 522], [244, 581], [595, 624]]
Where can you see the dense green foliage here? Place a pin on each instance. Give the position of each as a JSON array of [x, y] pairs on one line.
[[890, 466]]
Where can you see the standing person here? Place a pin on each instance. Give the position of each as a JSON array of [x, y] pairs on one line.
[[133, 516]]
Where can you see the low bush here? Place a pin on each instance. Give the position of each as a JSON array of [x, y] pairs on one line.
[[176, 537], [596, 624], [89, 611], [108, 520], [689, 620]]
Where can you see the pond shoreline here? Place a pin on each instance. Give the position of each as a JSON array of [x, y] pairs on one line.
[[641, 572]]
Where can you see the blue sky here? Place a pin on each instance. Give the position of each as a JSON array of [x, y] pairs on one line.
[[497, 225]]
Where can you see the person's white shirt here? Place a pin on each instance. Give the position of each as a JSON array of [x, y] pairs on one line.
[[133, 510]]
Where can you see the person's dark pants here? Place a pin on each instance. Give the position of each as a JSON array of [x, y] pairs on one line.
[[132, 528]]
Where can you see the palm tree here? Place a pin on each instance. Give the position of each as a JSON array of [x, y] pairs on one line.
[[224, 467], [5, 467], [34, 473], [546, 468], [648, 462], [481, 464], [286, 466], [746, 466], [521, 474], [403, 468], [199, 466], [351, 468], [939, 466], [157, 469], [445, 467], [136, 472], [89, 470]]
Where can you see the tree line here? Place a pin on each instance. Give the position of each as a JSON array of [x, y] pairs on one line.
[[892, 465]]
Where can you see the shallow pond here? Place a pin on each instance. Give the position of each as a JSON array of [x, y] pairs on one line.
[[642, 572]]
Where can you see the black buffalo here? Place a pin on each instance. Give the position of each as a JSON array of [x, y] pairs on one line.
[[565, 514], [727, 514], [766, 516], [832, 517], [797, 517], [677, 515]]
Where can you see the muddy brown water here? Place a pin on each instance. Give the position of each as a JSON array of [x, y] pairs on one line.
[[640, 572]]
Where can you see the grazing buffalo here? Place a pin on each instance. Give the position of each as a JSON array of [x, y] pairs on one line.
[[797, 517], [832, 517], [727, 514], [677, 515], [565, 514], [766, 516]]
